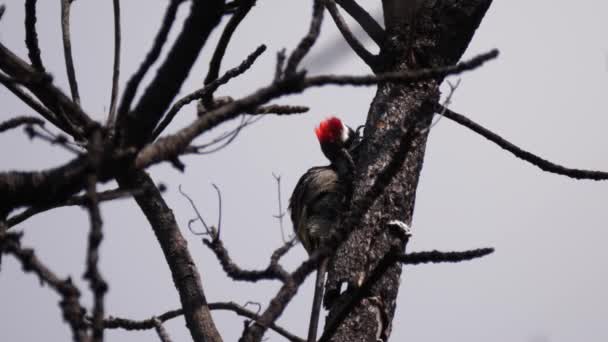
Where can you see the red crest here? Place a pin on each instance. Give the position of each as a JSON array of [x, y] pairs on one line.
[[329, 130]]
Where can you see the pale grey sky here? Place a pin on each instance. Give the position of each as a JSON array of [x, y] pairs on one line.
[[546, 93]]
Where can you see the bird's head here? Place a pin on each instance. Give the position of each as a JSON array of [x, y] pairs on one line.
[[333, 136]]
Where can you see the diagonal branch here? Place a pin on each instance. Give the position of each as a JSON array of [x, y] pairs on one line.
[[67, 49], [151, 57], [533, 159], [42, 87], [220, 49], [73, 312], [389, 259], [116, 68], [369, 59], [204, 17], [81, 200], [309, 39], [208, 89], [31, 36], [39, 108], [367, 22]]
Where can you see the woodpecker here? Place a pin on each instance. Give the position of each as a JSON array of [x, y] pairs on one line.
[[320, 196]]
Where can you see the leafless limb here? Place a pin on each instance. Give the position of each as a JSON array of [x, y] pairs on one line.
[[73, 312], [151, 57], [242, 10], [67, 49], [350, 38], [127, 324], [41, 86], [160, 330], [281, 213], [31, 36], [272, 271], [53, 139], [208, 89], [367, 22], [389, 259], [82, 200], [308, 41], [172, 145], [204, 16], [281, 110], [18, 121], [416, 258], [35, 105], [520, 153], [96, 282], [116, 68]]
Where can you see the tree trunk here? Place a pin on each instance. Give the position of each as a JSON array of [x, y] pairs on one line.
[[430, 34]]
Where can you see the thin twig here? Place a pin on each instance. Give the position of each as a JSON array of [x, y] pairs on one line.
[[31, 36], [35, 105], [18, 121], [53, 139], [280, 214], [308, 41], [209, 88], [116, 68], [520, 153], [70, 306], [151, 57], [67, 49], [216, 60], [128, 324], [350, 38], [81, 200], [208, 229]]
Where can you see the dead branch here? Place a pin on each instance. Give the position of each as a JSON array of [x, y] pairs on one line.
[[73, 312], [31, 36], [204, 16], [208, 89], [308, 40], [350, 38], [520, 153], [367, 22], [151, 57], [82, 200], [96, 282], [216, 60], [67, 49], [19, 121], [116, 67]]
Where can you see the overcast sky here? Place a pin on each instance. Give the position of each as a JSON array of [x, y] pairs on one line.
[[546, 93]]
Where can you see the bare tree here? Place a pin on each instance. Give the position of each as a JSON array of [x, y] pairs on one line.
[[421, 43]]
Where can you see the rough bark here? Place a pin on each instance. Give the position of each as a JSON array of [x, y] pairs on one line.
[[183, 270], [438, 36]]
